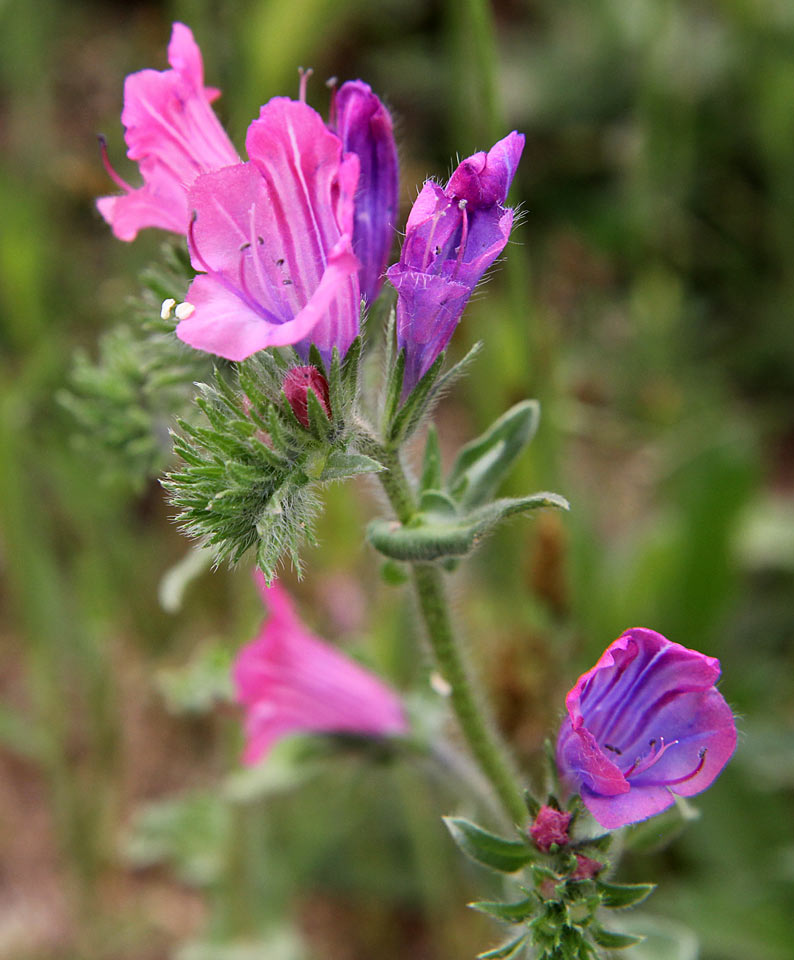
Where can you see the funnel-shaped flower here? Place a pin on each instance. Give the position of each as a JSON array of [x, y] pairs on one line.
[[173, 134], [290, 681], [274, 239], [646, 723], [452, 237], [365, 128]]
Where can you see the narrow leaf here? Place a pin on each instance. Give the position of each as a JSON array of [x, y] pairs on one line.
[[492, 851], [616, 895], [483, 463], [506, 951], [340, 466], [509, 912], [612, 940]]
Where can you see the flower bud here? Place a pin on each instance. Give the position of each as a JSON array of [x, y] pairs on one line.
[[586, 868], [550, 826], [297, 384]]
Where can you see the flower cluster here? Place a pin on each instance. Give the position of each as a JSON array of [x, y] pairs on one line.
[[288, 242]]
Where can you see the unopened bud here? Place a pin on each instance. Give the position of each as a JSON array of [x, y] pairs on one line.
[[586, 868], [297, 384], [550, 826]]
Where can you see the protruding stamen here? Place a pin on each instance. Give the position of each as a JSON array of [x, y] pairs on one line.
[[331, 83], [184, 310], [694, 773], [304, 78], [641, 764], [103, 149], [166, 308]]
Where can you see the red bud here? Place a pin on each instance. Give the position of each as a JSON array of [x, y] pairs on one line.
[[297, 384]]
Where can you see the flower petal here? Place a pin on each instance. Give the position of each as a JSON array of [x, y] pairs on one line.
[[484, 178], [174, 135], [365, 128]]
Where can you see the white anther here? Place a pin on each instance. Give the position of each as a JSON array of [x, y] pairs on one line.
[[184, 310], [166, 308], [439, 684]]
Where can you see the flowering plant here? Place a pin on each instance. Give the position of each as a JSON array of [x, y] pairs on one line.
[[287, 251]]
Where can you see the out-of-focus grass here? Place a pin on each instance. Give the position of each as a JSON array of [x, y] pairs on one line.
[[647, 303]]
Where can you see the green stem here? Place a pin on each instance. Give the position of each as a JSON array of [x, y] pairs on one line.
[[468, 706]]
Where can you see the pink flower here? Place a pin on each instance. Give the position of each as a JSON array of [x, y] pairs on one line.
[[274, 239], [290, 681], [644, 724], [550, 826], [296, 386], [173, 135]]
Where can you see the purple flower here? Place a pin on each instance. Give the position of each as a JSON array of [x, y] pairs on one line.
[[646, 723], [365, 128], [452, 237], [173, 134], [290, 681], [274, 239]]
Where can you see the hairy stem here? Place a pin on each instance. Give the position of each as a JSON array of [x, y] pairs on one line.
[[467, 704]]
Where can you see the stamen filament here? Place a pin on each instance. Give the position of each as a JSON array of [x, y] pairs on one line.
[[103, 149]]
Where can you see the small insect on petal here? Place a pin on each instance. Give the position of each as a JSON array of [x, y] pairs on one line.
[[166, 308], [184, 310]]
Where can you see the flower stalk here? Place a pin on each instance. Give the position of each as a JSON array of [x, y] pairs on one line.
[[467, 704]]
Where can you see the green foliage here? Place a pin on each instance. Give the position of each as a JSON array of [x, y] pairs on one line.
[[506, 856], [482, 464], [189, 833], [125, 401], [250, 477]]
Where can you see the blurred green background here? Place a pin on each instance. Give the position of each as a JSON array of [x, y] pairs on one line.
[[646, 300]]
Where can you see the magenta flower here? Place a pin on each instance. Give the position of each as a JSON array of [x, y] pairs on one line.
[[274, 239], [290, 681], [550, 826], [646, 723], [173, 135], [365, 128], [452, 237]]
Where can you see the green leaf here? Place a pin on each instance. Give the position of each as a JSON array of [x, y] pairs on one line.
[[508, 912], [416, 404], [486, 848], [483, 463], [431, 465], [611, 939], [340, 466], [438, 533], [394, 386], [616, 895], [506, 951]]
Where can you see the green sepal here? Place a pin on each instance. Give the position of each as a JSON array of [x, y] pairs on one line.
[[394, 386], [459, 369], [482, 464], [532, 804], [611, 939], [431, 464], [618, 895], [340, 466], [506, 951], [410, 414], [316, 360], [320, 425], [487, 848], [508, 912], [439, 533]]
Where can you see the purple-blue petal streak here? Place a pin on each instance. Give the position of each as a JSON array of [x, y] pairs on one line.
[[645, 724]]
